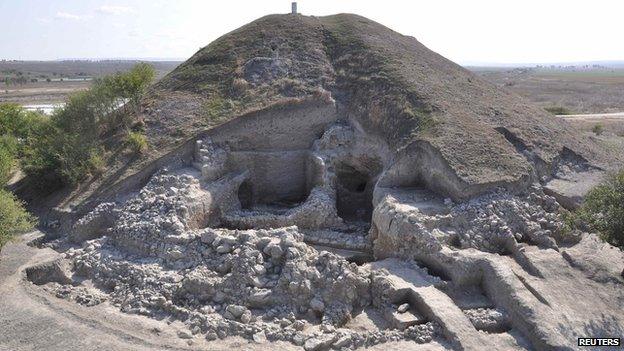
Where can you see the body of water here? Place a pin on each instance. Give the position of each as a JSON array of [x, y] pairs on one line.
[[44, 108]]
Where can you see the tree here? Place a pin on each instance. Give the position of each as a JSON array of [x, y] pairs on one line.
[[603, 209], [13, 218], [131, 85], [19, 123], [69, 149], [15, 130], [8, 153]]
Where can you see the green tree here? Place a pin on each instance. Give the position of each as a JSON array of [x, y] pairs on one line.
[[20, 123], [15, 131], [13, 218], [131, 85], [8, 154], [69, 148], [603, 209]]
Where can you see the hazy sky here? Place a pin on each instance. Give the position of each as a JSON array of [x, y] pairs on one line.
[[464, 31]]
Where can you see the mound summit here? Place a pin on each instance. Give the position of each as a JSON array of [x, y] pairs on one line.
[[325, 182]]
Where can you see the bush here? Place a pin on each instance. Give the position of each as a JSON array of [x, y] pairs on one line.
[[603, 209], [598, 129], [8, 152], [13, 218], [20, 124], [558, 110], [17, 128], [61, 158], [137, 142], [239, 86], [128, 86]]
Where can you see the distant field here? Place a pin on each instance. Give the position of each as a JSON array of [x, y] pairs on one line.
[[50, 82], [587, 90], [573, 90]]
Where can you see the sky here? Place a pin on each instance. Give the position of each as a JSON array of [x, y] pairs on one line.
[[467, 32]]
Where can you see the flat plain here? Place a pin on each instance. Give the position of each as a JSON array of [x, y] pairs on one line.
[[50, 82], [575, 90]]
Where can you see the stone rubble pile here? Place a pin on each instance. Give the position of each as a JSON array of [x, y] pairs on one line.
[[494, 222], [488, 319], [263, 284]]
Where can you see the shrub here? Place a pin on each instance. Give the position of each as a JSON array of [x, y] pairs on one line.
[[9, 115], [216, 107], [137, 142], [61, 158], [239, 86], [128, 86], [20, 123], [13, 218], [598, 129], [558, 110], [96, 163], [603, 209], [7, 163]]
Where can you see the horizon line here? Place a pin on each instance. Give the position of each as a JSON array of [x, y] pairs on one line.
[[467, 63]]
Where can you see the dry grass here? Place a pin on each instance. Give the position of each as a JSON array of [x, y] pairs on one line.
[[598, 92], [610, 126]]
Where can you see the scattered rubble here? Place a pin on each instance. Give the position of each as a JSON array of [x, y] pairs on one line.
[[191, 246]]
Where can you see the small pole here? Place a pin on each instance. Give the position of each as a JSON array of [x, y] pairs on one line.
[[293, 8]]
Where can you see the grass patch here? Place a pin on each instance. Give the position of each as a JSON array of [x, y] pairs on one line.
[[558, 110], [137, 142], [598, 129], [217, 109]]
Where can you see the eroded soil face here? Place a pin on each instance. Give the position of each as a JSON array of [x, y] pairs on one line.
[[300, 243]]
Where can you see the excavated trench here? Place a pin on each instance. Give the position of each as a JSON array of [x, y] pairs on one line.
[[235, 233]]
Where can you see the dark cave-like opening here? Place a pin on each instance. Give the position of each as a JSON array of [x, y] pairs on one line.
[[245, 195], [354, 190]]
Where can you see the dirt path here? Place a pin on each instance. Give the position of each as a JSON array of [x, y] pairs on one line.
[[594, 116], [42, 93]]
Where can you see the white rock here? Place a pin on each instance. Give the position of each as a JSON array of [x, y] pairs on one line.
[[259, 337], [319, 343], [236, 310], [317, 304], [403, 308], [182, 334]]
